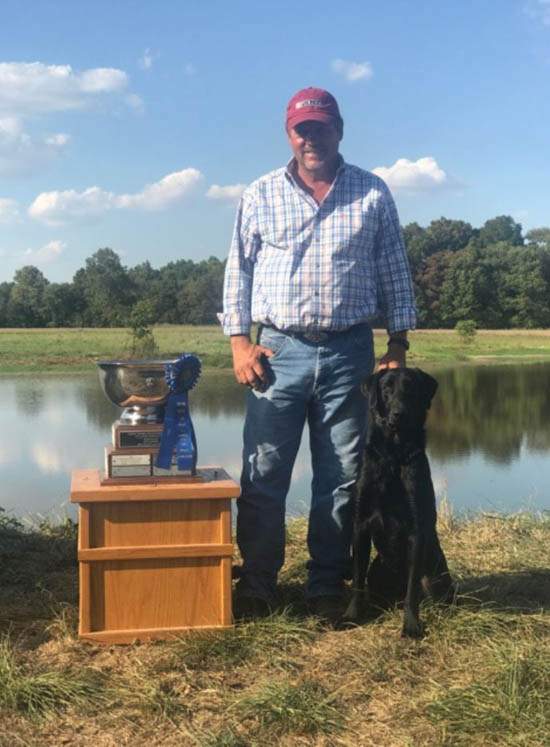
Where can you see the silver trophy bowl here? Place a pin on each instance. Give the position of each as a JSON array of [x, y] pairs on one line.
[[140, 387]]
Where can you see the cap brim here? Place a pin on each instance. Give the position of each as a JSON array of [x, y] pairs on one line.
[[308, 116]]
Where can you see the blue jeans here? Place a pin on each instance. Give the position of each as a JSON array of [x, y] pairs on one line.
[[320, 383]]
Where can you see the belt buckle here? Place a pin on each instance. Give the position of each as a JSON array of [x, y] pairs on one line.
[[316, 337]]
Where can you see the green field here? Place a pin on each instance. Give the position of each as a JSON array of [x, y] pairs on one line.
[[65, 350], [481, 676]]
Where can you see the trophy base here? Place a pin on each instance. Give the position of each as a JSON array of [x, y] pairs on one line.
[[138, 465], [141, 436]]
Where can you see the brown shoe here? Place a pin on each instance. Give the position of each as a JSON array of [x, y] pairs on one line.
[[329, 608]]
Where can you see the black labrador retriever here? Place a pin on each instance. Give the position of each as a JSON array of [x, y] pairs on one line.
[[395, 503]]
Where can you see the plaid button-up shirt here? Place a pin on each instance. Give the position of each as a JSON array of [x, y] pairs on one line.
[[300, 266]]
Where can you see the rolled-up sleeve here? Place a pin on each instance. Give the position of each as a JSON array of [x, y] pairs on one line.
[[395, 289], [239, 270]]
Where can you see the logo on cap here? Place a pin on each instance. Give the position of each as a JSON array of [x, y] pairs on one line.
[[310, 102]]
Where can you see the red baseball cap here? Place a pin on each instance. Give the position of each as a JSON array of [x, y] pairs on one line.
[[312, 103]]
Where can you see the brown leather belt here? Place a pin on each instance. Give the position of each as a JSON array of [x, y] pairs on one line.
[[314, 336]]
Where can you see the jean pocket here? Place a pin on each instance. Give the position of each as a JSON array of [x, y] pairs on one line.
[[276, 341]]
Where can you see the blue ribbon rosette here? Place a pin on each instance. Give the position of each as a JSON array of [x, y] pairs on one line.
[[178, 434]]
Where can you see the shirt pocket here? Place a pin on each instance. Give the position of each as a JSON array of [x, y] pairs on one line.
[[283, 231]]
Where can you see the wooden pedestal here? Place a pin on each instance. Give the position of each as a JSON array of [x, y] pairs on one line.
[[154, 559]]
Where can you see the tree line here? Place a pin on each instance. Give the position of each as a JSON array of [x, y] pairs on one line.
[[493, 276], [104, 293]]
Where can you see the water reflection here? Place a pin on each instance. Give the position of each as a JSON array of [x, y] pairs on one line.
[[497, 410], [488, 436]]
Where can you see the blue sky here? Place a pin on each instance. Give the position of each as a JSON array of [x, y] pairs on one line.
[[135, 125]]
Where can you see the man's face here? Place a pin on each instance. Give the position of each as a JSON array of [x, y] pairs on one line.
[[315, 144]]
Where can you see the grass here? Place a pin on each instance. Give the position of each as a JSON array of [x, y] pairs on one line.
[[304, 707], [72, 350], [45, 693], [481, 676]]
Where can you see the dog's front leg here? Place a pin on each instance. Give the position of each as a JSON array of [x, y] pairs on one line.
[[361, 558], [412, 627]]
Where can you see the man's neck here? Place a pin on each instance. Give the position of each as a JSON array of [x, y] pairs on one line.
[[316, 183]]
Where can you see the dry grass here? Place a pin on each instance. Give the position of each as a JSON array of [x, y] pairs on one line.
[[481, 676]]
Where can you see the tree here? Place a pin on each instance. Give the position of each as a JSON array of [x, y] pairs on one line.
[[415, 243], [62, 305], [168, 290], [26, 303], [105, 287], [539, 237], [142, 341], [466, 330], [5, 293], [428, 283], [441, 235], [470, 290], [524, 285], [501, 228], [201, 295], [449, 235]]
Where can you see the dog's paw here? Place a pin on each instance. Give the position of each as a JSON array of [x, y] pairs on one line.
[[413, 629]]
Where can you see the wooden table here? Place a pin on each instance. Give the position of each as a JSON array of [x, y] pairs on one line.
[[154, 559]]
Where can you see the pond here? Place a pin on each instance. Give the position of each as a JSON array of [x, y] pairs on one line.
[[488, 437]]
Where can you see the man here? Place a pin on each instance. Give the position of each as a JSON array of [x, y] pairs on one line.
[[317, 252]]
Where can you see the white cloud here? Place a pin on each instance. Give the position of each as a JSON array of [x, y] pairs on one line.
[[57, 141], [413, 176], [47, 253], [33, 88], [9, 127], [59, 207], [29, 90], [20, 153], [352, 71], [230, 194], [9, 210], [146, 62], [135, 102], [160, 194]]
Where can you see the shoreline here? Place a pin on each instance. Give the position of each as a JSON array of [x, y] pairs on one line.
[[75, 350], [412, 362]]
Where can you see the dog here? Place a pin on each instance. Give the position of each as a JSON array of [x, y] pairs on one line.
[[395, 503]]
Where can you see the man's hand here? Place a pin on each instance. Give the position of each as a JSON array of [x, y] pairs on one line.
[[247, 362], [396, 357]]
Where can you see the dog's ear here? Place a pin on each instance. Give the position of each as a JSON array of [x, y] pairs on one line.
[[369, 389], [428, 385], [367, 385]]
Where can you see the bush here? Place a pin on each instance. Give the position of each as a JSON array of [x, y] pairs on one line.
[[466, 330]]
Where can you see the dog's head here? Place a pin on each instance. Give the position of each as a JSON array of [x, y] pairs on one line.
[[399, 398]]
